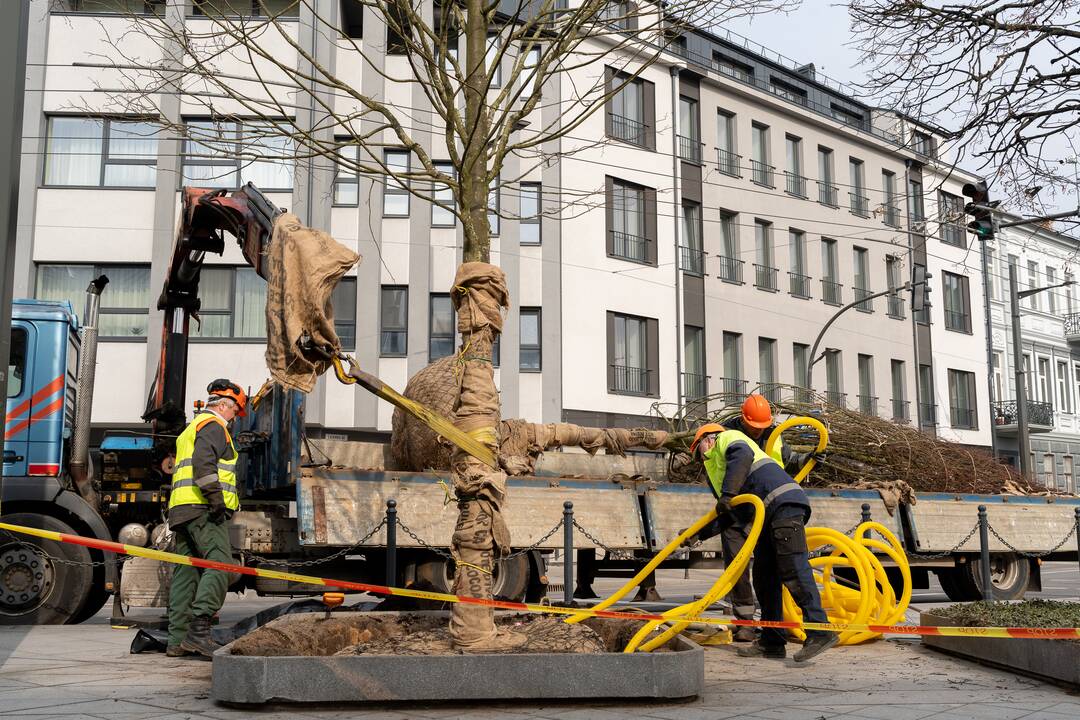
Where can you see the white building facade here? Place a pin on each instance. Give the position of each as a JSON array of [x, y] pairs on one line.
[[739, 201]]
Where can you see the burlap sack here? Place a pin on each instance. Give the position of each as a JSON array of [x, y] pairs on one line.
[[303, 266]]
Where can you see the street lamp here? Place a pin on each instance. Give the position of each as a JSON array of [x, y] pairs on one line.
[[1015, 296]]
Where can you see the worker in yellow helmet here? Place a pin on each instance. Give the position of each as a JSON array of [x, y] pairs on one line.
[[756, 422], [202, 498], [736, 465]]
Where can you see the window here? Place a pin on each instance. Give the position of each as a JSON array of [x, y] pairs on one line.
[[530, 225], [344, 301], [633, 355], [867, 400], [764, 272], [991, 271], [890, 214], [689, 130], [346, 186], [767, 368], [730, 264], [998, 385], [1068, 292], [619, 15], [957, 302], [352, 18], [899, 391], [1076, 384], [830, 288], [156, 7], [915, 195], [1048, 470], [246, 8], [892, 278], [727, 159], [394, 321], [800, 357], [1043, 365], [1064, 392], [827, 191], [861, 264], [395, 188], [16, 362], [528, 71], [100, 152], [495, 206], [441, 327], [733, 68], [800, 281], [951, 219], [492, 60], [732, 381], [796, 183], [441, 193], [695, 384], [761, 171], [922, 143], [1051, 280], [692, 257], [233, 304], [962, 399], [228, 155], [1033, 282], [1068, 481], [631, 216], [927, 406], [398, 30], [529, 353], [787, 91], [834, 381], [630, 111], [860, 204], [123, 309]]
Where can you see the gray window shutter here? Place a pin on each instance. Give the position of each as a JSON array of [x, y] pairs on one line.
[[652, 351], [611, 351], [650, 226], [632, 10], [609, 81], [649, 97], [609, 213], [967, 303]]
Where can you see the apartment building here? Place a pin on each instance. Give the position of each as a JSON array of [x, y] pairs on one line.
[[1050, 349], [741, 200]]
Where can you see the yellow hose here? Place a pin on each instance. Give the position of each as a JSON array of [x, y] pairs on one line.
[[801, 421]]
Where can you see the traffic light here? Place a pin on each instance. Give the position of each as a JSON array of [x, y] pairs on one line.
[[920, 289], [981, 208]]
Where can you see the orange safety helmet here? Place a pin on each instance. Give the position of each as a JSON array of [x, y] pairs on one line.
[[225, 388], [756, 412], [706, 429]]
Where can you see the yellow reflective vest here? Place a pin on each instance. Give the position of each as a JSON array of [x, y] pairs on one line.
[[184, 490]]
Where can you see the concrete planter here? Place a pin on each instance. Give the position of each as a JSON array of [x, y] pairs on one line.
[[1056, 660], [381, 678]]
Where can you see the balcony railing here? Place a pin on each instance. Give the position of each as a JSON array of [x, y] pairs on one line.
[[868, 404], [901, 410], [827, 194], [952, 234], [837, 398], [695, 386], [795, 184], [731, 269], [692, 260], [765, 277], [927, 414], [799, 285], [761, 173], [1040, 416], [865, 305], [729, 163], [860, 204], [629, 379], [891, 215], [959, 321], [896, 306], [627, 129], [690, 149], [831, 292], [963, 417], [1072, 327], [732, 386], [770, 391], [628, 246]]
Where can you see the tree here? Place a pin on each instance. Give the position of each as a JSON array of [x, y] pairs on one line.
[[1003, 75]]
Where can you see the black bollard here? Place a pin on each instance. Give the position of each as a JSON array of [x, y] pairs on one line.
[[1077, 512], [568, 552], [391, 542], [866, 512], [984, 556]]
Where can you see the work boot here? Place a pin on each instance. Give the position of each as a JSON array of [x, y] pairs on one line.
[[816, 644], [744, 633], [198, 639], [175, 651], [756, 649]]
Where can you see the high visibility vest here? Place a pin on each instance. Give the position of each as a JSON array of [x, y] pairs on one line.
[[766, 479], [184, 490], [777, 453]]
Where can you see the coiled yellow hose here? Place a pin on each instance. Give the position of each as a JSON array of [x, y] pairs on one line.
[[801, 421]]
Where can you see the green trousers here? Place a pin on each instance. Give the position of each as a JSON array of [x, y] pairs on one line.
[[195, 592]]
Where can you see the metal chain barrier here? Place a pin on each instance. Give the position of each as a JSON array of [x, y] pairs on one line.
[[947, 553], [443, 553], [612, 552], [316, 561], [437, 550], [1022, 553]]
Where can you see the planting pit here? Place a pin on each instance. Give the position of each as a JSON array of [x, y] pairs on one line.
[[399, 656]]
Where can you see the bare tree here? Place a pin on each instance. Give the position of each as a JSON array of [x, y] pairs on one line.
[[1003, 75]]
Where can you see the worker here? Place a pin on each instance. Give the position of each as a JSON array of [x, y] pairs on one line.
[[202, 499], [736, 465], [756, 422]]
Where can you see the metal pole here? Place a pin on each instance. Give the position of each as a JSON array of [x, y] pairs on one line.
[[1018, 369], [984, 556], [391, 542], [987, 311], [866, 512], [568, 552], [1077, 513]]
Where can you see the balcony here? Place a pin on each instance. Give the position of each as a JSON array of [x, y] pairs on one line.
[[865, 305], [795, 184], [901, 411], [868, 405], [627, 129], [963, 418], [1040, 417], [836, 398], [799, 285], [690, 149], [695, 386], [860, 204], [770, 391], [891, 215], [629, 247], [958, 321], [827, 194], [731, 269], [729, 163], [831, 292], [927, 414], [762, 174], [630, 380], [1072, 327], [896, 306], [733, 386], [765, 277], [692, 260]]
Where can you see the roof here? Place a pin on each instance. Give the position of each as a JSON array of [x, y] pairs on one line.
[[55, 310]]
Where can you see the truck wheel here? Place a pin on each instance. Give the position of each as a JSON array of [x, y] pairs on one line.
[[47, 586], [1009, 574], [950, 583], [510, 577], [95, 600]]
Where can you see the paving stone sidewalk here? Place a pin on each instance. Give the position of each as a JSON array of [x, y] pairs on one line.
[[86, 672]]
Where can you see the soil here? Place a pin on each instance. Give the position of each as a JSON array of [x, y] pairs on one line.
[[311, 635]]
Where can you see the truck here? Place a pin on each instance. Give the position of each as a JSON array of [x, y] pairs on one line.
[[308, 501]]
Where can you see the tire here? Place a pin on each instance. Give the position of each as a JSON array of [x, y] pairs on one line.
[[1009, 574], [95, 600], [511, 577], [35, 590], [950, 583]]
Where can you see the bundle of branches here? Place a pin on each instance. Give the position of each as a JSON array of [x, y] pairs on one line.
[[864, 450]]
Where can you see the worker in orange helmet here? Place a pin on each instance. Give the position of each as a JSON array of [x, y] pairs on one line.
[[735, 466], [756, 422]]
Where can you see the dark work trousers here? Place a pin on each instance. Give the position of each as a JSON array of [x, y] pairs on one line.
[[742, 594], [781, 560]]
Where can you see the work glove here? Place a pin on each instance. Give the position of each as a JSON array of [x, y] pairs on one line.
[[723, 506], [690, 541], [218, 513]]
